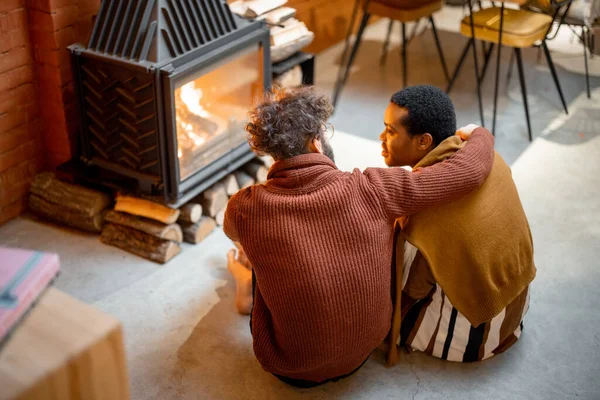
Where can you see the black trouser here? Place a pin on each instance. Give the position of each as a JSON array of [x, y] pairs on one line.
[[300, 383]]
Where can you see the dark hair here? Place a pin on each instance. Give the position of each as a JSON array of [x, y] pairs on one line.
[[430, 110], [286, 118]]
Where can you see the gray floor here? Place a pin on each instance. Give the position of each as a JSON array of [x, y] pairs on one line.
[[185, 341]]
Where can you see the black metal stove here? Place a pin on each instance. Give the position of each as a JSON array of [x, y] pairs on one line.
[[164, 88]]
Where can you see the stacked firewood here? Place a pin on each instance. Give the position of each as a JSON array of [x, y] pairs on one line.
[[145, 228], [67, 204], [140, 226], [214, 200]]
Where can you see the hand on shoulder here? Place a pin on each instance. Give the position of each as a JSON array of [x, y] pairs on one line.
[[466, 131]]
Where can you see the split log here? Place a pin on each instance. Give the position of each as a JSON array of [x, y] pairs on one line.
[[139, 243], [257, 170], [191, 212], [195, 233], [231, 185], [66, 216], [145, 208], [220, 217], [267, 161], [70, 197], [168, 232], [214, 199], [244, 180]]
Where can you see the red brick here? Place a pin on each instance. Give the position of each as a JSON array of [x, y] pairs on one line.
[[49, 75], [13, 39], [43, 39], [23, 152], [49, 5], [18, 96], [18, 174], [88, 8], [14, 59], [53, 111], [83, 30], [41, 21], [13, 20], [14, 209], [44, 56], [65, 16], [15, 77], [10, 5], [12, 120], [65, 37], [13, 138]]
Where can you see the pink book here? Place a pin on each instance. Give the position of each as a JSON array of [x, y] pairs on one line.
[[24, 274]]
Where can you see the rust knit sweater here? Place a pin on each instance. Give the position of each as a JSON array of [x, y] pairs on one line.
[[321, 241]]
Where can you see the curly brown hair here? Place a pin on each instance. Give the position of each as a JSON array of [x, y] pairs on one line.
[[286, 119]]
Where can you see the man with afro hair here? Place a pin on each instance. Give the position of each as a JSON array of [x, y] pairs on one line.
[[462, 269]]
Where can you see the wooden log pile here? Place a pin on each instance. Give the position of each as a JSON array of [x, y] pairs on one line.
[[144, 228], [68, 204]]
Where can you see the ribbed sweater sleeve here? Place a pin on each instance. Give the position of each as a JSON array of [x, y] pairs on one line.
[[405, 193], [229, 224]]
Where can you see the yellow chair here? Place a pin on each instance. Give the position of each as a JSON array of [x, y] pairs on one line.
[[512, 28], [397, 10]]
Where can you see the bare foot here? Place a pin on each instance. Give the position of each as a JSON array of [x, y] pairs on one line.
[[243, 283]]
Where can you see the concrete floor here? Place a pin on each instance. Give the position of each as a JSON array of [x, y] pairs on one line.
[[185, 341]]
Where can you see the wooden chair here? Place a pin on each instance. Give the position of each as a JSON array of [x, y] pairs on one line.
[[512, 28], [397, 10], [560, 12]]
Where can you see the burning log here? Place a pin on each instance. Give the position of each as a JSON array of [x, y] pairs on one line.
[[139, 243], [65, 216], [191, 212], [197, 122], [148, 209], [214, 199], [195, 233], [243, 179], [168, 232], [257, 170]]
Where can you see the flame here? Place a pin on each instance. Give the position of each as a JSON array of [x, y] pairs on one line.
[[191, 98]]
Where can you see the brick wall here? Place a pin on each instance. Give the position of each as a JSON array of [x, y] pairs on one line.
[[21, 153], [37, 105]]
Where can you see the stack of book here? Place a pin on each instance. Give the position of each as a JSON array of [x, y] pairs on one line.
[[288, 34], [24, 275]]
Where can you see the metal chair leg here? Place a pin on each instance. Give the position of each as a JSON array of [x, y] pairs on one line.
[[476, 64], [343, 61], [498, 69], [461, 61], [510, 67], [585, 51], [386, 44], [486, 61], [439, 48], [523, 89], [342, 80], [554, 75], [404, 61]]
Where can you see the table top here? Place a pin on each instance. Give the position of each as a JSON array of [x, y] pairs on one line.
[[57, 329]]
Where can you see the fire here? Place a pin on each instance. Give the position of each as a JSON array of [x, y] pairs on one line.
[[189, 136], [191, 97]]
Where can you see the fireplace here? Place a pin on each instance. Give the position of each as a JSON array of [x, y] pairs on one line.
[[164, 88]]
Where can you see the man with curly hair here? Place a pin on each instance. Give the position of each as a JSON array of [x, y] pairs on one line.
[[465, 300], [320, 240]]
